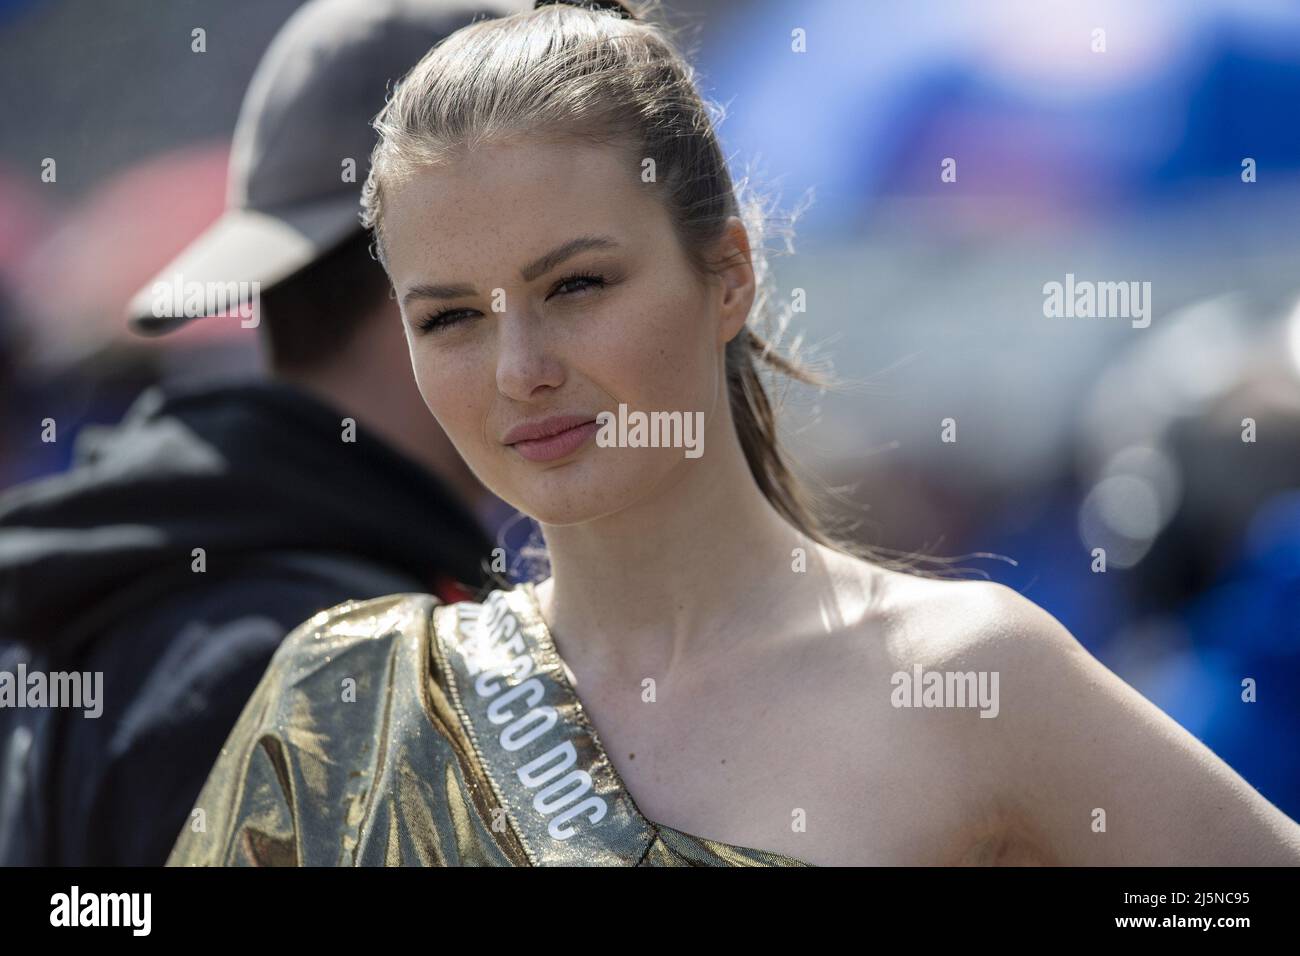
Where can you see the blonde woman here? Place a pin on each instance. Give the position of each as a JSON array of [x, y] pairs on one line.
[[706, 677]]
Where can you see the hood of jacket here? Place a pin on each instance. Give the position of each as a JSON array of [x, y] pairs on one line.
[[231, 468]]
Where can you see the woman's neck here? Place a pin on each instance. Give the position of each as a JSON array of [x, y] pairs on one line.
[[674, 578]]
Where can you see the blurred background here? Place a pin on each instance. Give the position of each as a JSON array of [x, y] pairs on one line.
[[927, 296]]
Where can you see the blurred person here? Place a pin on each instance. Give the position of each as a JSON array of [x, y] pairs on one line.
[[190, 538], [1221, 581], [707, 677], [1198, 526], [9, 349]]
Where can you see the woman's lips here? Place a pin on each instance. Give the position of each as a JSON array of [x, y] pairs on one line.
[[558, 445]]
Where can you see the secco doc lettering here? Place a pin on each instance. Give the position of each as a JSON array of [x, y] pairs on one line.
[[498, 652]]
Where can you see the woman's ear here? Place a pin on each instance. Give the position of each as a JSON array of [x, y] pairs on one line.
[[737, 275]]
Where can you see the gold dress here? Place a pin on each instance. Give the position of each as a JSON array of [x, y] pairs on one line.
[[399, 731]]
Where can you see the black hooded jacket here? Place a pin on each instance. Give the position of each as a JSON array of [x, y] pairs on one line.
[[99, 573]]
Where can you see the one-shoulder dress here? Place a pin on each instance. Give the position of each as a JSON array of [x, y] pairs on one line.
[[401, 731]]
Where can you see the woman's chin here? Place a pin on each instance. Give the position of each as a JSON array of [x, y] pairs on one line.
[[580, 492], [573, 508]]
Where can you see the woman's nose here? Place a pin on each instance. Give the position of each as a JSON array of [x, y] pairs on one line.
[[525, 359]]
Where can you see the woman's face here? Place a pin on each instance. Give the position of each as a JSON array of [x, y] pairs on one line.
[[541, 281]]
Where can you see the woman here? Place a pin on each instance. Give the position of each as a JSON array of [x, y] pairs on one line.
[[553, 208]]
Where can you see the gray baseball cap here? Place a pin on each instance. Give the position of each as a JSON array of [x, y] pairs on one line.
[[290, 195]]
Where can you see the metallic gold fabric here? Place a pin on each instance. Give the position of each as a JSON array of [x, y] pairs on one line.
[[400, 731]]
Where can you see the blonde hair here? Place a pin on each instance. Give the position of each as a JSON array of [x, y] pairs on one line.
[[610, 77]]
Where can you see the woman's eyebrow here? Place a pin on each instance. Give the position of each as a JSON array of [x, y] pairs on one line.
[[528, 273], [557, 255]]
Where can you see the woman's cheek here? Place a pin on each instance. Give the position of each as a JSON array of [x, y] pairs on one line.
[[636, 349], [426, 380], [444, 393], [675, 379]]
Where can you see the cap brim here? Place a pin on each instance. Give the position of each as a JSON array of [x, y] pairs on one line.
[[247, 246]]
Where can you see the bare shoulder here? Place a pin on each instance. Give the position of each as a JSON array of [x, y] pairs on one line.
[[917, 619], [1073, 761], [956, 616], [911, 680]]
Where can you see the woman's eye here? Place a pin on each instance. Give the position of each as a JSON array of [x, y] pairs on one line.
[[441, 320], [576, 283], [566, 286]]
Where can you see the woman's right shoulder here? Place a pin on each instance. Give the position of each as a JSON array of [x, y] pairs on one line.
[[350, 642], [337, 631], [339, 691], [352, 651], [342, 654], [331, 638]]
